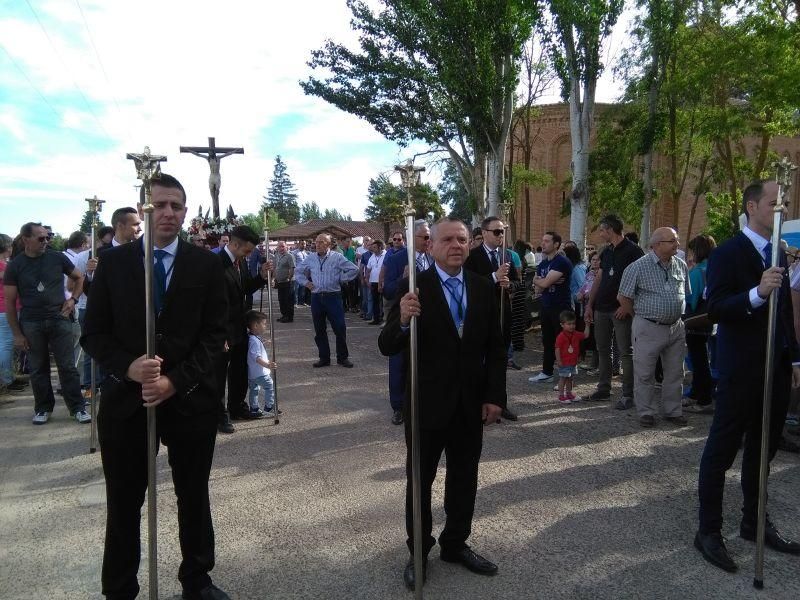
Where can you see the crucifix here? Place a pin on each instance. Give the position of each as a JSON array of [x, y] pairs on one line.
[[213, 154]]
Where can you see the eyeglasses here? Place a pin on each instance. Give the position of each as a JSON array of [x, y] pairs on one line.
[[43, 238], [397, 239], [496, 231], [423, 237], [672, 241]]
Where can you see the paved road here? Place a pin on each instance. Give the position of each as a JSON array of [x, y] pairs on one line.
[[574, 502]]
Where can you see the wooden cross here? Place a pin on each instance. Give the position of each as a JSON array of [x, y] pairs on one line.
[[213, 155]]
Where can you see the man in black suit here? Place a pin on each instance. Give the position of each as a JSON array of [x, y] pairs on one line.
[[239, 287], [190, 334], [462, 381], [740, 281], [485, 259]]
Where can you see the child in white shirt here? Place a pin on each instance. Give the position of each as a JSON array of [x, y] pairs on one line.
[[259, 365]]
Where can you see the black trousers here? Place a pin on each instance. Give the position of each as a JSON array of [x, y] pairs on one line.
[[377, 302], [123, 449], [462, 442], [738, 413], [232, 368], [551, 326], [285, 299], [702, 387]]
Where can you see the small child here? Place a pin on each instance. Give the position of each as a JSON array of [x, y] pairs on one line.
[[568, 346], [258, 364]]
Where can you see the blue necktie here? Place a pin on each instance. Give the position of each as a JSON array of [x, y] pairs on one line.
[[160, 279], [454, 287], [495, 264], [768, 253]]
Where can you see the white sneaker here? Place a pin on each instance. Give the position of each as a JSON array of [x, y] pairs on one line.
[[83, 417], [541, 378], [41, 418]]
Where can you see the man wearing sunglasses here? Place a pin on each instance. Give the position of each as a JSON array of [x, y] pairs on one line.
[[486, 259], [36, 277]]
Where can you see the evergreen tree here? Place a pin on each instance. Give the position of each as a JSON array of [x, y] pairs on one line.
[[282, 194], [309, 211], [331, 214], [86, 222]]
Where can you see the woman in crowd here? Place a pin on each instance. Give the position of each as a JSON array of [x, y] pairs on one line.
[[588, 345], [700, 249]]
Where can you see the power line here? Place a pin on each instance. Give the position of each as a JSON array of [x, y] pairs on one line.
[[102, 67], [28, 79], [69, 72]]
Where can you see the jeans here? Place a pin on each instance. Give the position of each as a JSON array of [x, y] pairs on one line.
[[6, 351], [43, 337], [328, 305], [366, 301], [302, 294], [550, 329], [377, 303], [265, 382], [604, 325]]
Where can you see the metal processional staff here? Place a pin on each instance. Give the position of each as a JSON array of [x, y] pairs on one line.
[[95, 206], [410, 176], [276, 419], [148, 168]]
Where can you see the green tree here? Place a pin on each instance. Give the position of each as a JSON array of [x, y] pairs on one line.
[[282, 194], [331, 214], [86, 222], [309, 211], [579, 29], [387, 202], [442, 72], [452, 193]]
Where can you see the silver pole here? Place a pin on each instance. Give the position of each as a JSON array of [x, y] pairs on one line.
[[147, 167], [410, 176], [95, 205], [784, 171], [276, 419]]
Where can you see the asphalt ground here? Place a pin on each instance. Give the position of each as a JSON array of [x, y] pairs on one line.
[[574, 502]]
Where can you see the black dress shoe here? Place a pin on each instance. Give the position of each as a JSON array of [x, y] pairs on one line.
[[712, 547], [512, 365], [345, 362], [508, 415], [474, 562], [322, 363], [226, 427], [210, 592], [772, 538], [280, 320], [374, 322], [409, 577], [397, 418]]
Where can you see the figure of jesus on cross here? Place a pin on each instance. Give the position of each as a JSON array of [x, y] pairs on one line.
[[213, 155]]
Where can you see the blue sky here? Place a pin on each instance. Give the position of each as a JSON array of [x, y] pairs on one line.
[[84, 82]]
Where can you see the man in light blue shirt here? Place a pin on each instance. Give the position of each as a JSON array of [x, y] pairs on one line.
[[323, 273]]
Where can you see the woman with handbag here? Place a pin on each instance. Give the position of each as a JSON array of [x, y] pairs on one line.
[[698, 329]]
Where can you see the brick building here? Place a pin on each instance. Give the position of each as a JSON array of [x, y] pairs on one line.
[[540, 209]]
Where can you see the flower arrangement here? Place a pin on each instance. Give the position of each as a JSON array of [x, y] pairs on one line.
[[211, 229]]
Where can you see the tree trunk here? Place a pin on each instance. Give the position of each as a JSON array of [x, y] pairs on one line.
[[647, 185], [580, 120], [478, 187], [698, 192]]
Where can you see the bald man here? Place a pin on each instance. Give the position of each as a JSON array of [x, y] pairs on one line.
[[654, 289], [323, 272]]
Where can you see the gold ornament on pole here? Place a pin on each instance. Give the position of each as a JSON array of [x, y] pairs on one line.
[[95, 206]]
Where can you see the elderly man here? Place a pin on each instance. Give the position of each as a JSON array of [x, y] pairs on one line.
[[323, 273], [653, 289], [36, 277], [284, 281], [462, 373]]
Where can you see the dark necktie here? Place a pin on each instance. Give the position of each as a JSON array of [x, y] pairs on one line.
[[768, 254], [160, 274], [420, 262], [456, 309], [495, 264]]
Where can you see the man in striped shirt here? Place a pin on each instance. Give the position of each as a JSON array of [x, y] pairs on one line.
[[323, 272]]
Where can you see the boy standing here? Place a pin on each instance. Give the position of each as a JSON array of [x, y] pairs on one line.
[[258, 365], [567, 349]]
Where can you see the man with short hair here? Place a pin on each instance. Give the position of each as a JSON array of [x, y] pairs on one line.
[[35, 276], [284, 281], [740, 279], [105, 235], [224, 240], [350, 289], [487, 260], [462, 370], [302, 295], [239, 287], [374, 271], [127, 225], [323, 273], [76, 244], [603, 310], [653, 291], [366, 291], [179, 384], [552, 282]]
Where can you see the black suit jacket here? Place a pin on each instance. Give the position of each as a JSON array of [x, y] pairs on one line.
[[734, 268], [238, 291], [479, 262], [190, 331], [454, 373]]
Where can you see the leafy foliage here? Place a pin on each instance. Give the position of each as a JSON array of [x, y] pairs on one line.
[[309, 211], [86, 222], [387, 201]]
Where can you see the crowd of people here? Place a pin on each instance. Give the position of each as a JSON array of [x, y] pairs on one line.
[[644, 315]]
